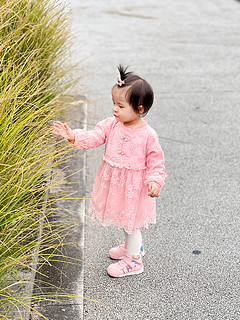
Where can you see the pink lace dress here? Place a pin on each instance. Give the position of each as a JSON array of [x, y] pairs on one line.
[[132, 159]]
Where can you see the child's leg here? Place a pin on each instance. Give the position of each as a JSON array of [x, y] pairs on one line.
[[132, 262], [126, 236], [134, 243], [134, 246]]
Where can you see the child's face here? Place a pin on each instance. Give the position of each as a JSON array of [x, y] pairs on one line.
[[122, 110]]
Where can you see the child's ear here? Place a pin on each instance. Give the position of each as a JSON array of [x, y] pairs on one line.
[[140, 109]]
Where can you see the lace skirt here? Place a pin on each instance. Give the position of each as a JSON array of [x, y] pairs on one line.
[[120, 198]]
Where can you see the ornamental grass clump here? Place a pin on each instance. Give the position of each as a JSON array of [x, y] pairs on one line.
[[33, 46]]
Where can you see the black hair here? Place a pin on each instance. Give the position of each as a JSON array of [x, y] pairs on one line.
[[139, 93]]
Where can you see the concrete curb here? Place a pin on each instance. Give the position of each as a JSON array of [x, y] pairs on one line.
[[26, 286], [66, 276]]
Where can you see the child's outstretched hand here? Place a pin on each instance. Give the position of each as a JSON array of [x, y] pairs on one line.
[[153, 190], [62, 129]]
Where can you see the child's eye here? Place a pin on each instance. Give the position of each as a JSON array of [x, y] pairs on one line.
[[121, 107]]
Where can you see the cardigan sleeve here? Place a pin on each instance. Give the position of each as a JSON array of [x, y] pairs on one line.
[[93, 138], [155, 169]]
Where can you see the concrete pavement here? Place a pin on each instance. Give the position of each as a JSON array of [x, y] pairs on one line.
[[189, 51]]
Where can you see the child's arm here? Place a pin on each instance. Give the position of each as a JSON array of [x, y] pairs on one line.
[[83, 139], [155, 172]]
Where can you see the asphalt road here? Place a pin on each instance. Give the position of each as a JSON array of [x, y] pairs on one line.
[[190, 52]]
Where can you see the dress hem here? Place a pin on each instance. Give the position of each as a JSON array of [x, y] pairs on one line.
[[119, 226]]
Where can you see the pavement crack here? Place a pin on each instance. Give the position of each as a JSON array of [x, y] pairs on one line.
[[174, 140], [129, 15]]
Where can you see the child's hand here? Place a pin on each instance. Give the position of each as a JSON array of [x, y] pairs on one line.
[[153, 190], [62, 129]]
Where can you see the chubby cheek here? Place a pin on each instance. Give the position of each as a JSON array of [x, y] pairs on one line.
[[121, 114]]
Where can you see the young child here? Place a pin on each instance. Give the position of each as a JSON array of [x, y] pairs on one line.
[[131, 172]]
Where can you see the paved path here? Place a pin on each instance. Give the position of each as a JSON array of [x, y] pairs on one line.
[[190, 52]]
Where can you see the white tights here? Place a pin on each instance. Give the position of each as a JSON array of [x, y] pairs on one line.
[[134, 242]]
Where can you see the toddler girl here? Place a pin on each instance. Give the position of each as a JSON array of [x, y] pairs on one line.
[[131, 172]]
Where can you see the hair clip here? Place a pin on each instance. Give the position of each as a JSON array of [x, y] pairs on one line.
[[120, 82]]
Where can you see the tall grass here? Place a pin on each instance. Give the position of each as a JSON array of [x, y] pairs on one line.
[[33, 46]]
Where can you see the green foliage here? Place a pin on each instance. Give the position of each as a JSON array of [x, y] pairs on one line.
[[33, 44]]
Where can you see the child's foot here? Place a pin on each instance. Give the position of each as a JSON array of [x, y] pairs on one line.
[[126, 267], [119, 252]]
